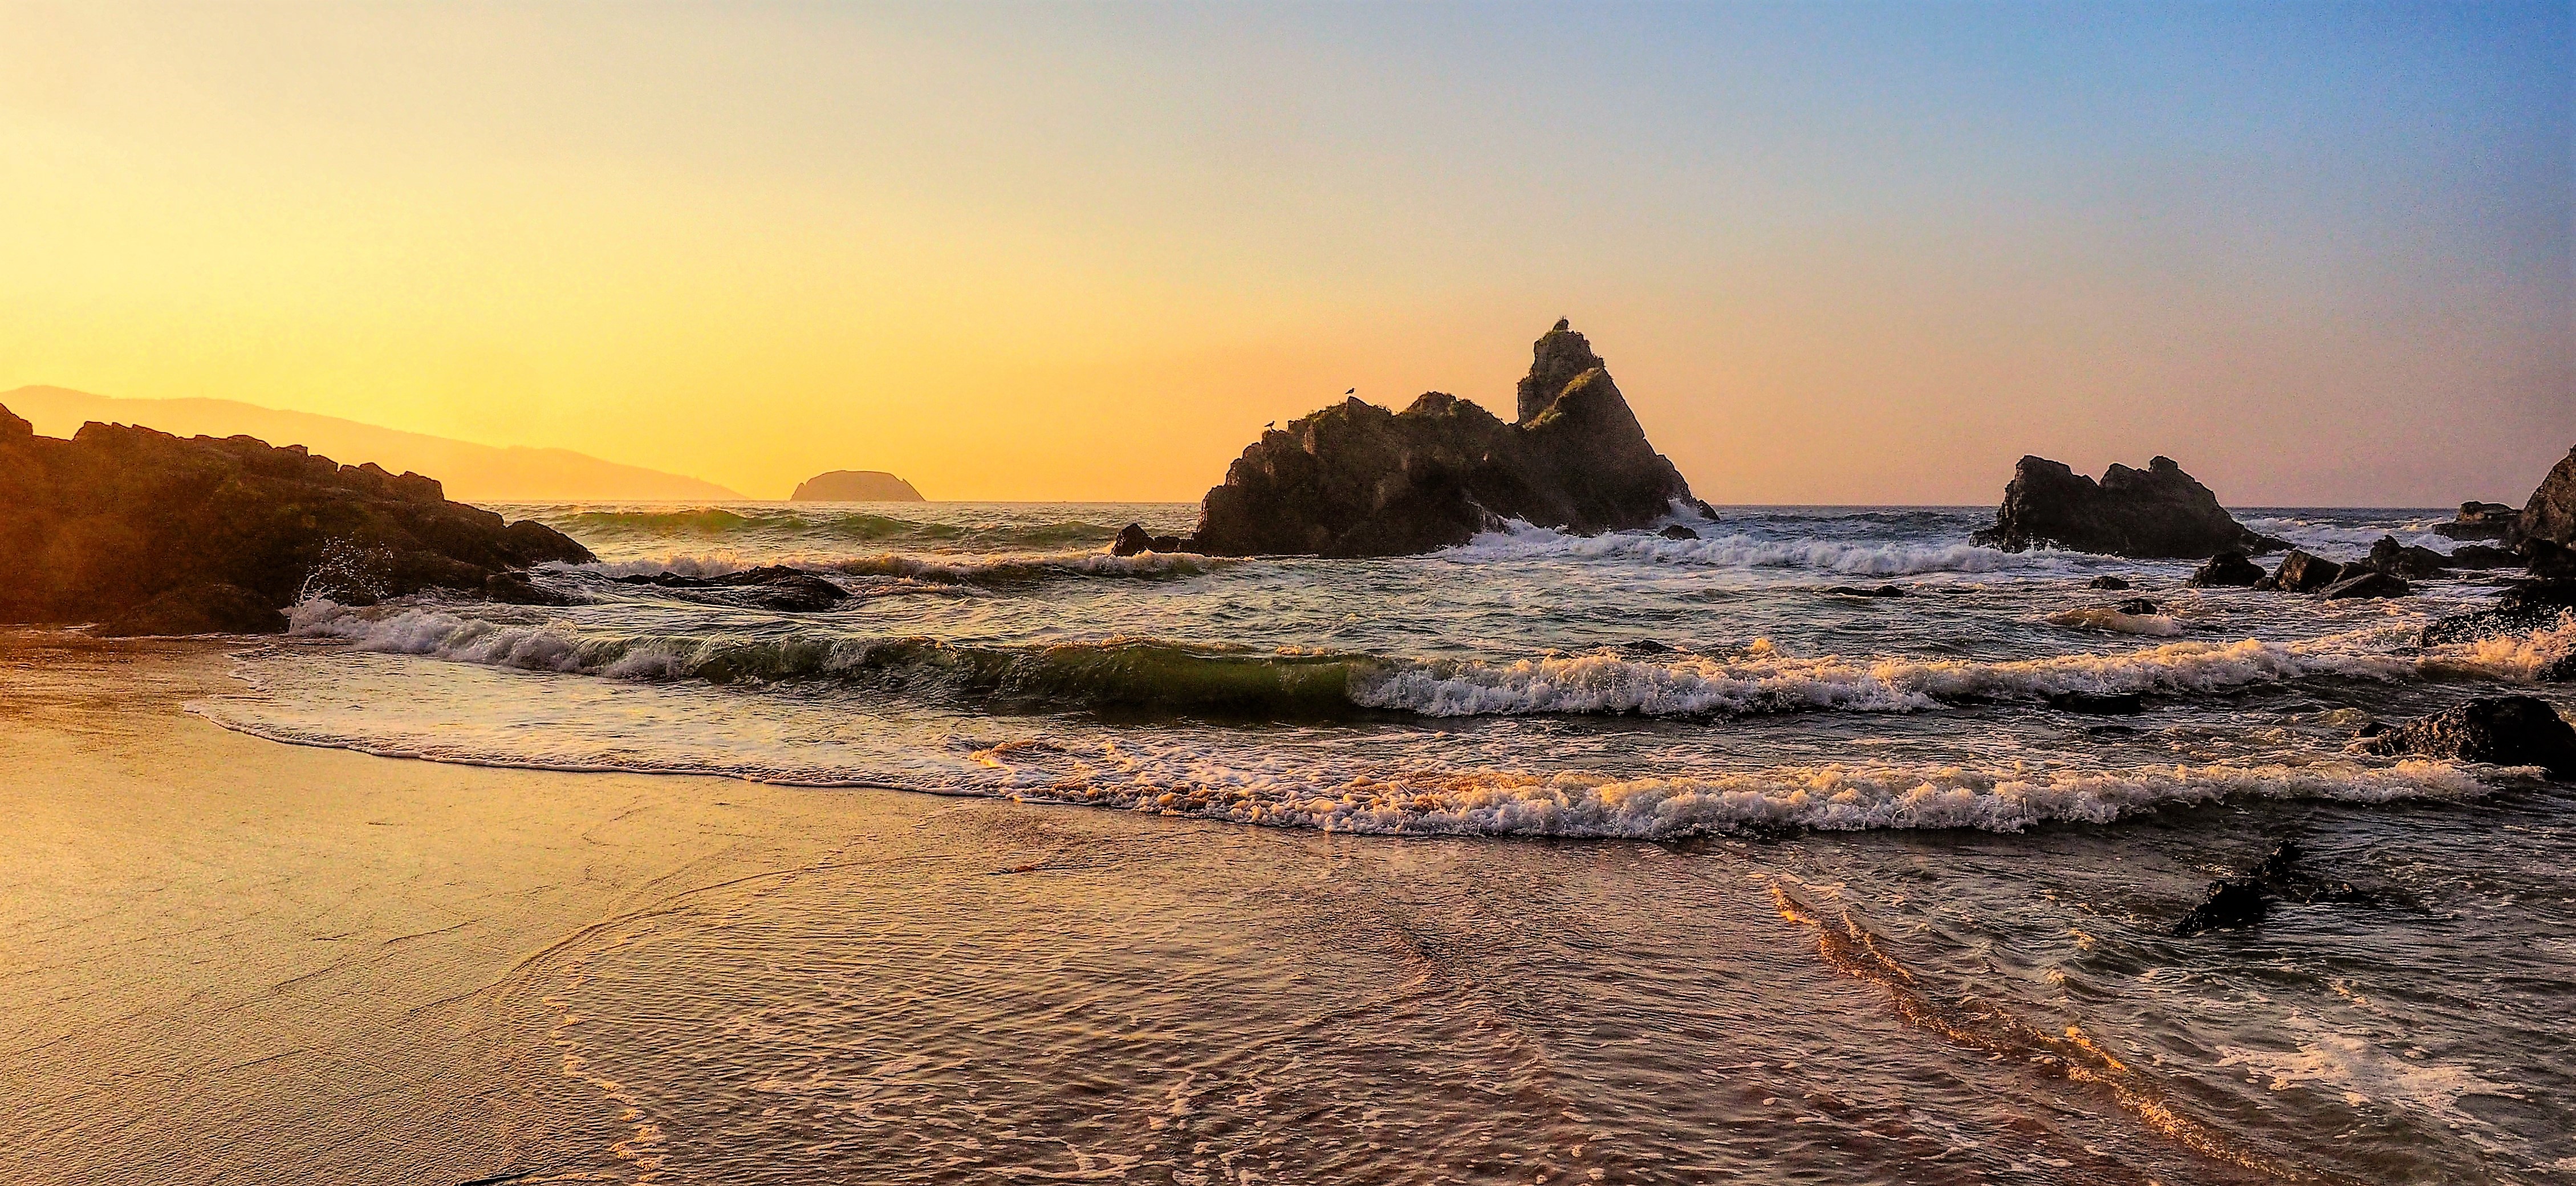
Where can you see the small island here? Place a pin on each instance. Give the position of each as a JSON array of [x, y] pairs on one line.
[[855, 485]]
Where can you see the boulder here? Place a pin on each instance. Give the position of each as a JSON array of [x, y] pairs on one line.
[[106, 525], [771, 587], [205, 608], [2407, 560], [2107, 581], [1677, 531], [2480, 556], [2229, 569], [2525, 607], [1355, 479], [1865, 591], [514, 588], [1133, 539], [2366, 583], [2157, 512], [855, 485], [2503, 730], [2302, 572], [2479, 520], [2138, 606], [2551, 513], [2548, 561]]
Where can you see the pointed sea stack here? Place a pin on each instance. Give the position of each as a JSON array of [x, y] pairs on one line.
[[1358, 480], [2155, 513]]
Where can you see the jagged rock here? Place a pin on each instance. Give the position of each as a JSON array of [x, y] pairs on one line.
[[855, 485], [2247, 900], [2366, 583], [1132, 539], [2551, 513], [2479, 520], [2302, 572], [2111, 582], [1355, 479], [104, 525], [514, 588], [2525, 607], [210, 608], [2156, 512], [1677, 531], [2229, 569], [2406, 560], [770, 587], [2503, 730], [2138, 606]]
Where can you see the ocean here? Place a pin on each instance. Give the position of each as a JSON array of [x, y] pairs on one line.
[[1558, 769]]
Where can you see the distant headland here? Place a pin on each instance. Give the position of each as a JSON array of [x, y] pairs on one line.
[[855, 485]]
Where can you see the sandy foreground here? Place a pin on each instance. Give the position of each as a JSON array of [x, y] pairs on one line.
[[225, 959]]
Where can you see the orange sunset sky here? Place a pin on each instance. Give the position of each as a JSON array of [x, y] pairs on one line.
[[1833, 253]]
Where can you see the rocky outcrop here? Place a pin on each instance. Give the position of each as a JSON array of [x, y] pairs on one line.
[[2365, 582], [2479, 520], [1356, 479], [151, 533], [2107, 581], [2410, 561], [2526, 607], [1133, 538], [2302, 572], [854, 485], [2551, 514], [2226, 570], [2156, 512], [2504, 730], [771, 587]]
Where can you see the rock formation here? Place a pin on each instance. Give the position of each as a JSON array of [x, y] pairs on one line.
[[2479, 520], [2157, 512], [2504, 730], [2302, 572], [2551, 513], [151, 533], [2228, 569], [854, 485], [1355, 479]]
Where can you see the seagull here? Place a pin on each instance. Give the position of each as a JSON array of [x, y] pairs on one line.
[[1352, 391], [1271, 425]]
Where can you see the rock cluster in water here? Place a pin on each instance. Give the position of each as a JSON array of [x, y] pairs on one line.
[[855, 485], [150, 533], [2504, 730], [2157, 512], [1356, 479]]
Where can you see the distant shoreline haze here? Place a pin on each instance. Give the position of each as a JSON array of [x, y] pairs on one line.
[[470, 472]]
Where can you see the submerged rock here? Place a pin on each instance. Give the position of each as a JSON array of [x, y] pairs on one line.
[[152, 533], [2106, 581], [771, 587], [2366, 583], [1677, 531], [1355, 479], [2157, 512], [2108, 704], [2229, 569], [1865, 590], [2138, 606], [2503, 730], [514, 588], [855, 485], [2247, 900]]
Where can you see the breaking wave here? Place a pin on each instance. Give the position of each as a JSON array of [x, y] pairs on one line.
[[1856, 558], [1242, 682], [1006, 569], [815, 526]]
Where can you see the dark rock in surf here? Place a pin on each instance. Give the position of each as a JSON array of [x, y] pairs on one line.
[[1131, 539], [2107, 581], [2247, 900], [2157, 512], [2479, 520], [2302, 572], [514, 588], [771, 587], [146, 531], [1355, 479], [2139, 606], [2502, 730], [2365, 583], [2104, 704], [2548, 561], [2231, 902], [1865, 591], [212, 608], [2226, 570], [2407, 560], [2525, 607], [2480, 556], [1677, 531]]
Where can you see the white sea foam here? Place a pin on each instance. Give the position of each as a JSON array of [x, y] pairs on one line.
[[1522, 541], [2112, 620], [988, 568], [2337, 541]]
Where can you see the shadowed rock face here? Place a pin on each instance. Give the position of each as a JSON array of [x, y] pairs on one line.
[[1358, 480], [2157, 512], [2551, 513], [151, 533], [855, 485], [2505, 730]]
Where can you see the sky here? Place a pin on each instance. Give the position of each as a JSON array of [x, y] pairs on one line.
[[1833, 252]]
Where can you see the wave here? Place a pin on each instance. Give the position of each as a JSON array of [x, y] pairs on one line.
[[1524, 542], [826, 526], [1136, 673], [2313, 535], [1008, 569], [2100, 618]]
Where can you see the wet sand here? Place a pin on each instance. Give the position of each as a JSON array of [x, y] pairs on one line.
[[225, 959]]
